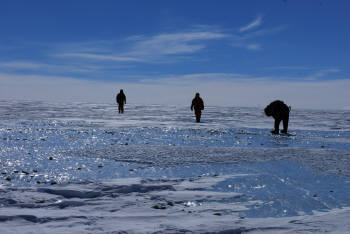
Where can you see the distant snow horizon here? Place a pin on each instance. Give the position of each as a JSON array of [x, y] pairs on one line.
[[239, 92], [111, 102]]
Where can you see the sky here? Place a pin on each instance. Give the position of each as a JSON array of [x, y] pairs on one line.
[[235, 53]]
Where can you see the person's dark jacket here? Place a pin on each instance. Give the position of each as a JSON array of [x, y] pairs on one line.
[[278, 110], [197, 104], [121, 99]]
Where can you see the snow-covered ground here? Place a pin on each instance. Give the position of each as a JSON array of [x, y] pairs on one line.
[[83, 168]]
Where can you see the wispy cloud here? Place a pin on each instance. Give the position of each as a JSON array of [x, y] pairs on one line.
[[163, 46], [181, 80], [254, 46], [288, 68], [42, 67], [141, 48], [103, 57], [99, 57], [175, 43], [322, 73], [248, 35], [21, 65], [190, 79], [255, 23], [247, 45], [261, 32], [306, 73]]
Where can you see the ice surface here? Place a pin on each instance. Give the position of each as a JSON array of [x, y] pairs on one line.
[[82, 168]]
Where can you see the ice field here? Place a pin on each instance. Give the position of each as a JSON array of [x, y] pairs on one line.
[[84, 168]]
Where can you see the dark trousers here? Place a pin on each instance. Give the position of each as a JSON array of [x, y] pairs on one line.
[[285, 124], [198, 114], [121, 108]]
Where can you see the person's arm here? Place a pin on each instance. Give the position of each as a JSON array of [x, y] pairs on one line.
[[192, 105]]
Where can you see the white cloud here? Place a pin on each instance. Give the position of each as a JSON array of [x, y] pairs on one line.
[[170, 45], [175, 43], [142, 48], [104, 56], [245, 40], [99, 57], [42, 67], [248, 46], [262, 32], [225, 90], [322, 73], [253, 47], [21, 65], [288, 68], [247, 34], [255, 23], [159, 48]]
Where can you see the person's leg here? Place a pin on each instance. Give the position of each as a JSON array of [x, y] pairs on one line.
[[277, 126], [198, 116], [119, 108], [122, 108], [285, 124]]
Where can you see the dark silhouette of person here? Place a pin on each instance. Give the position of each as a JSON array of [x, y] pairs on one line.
[[121, 100], [198, 105], [280, 112]]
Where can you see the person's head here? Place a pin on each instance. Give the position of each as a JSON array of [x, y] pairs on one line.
[[197, 94], [268, 110], [121, 91]]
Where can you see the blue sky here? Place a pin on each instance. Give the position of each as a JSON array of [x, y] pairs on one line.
[[243, 53]]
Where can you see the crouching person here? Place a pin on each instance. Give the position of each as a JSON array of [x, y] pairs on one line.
[[280, 112]]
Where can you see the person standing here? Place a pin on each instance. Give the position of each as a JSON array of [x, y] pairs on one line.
[[198, 105], [280, 112], [121, 100]]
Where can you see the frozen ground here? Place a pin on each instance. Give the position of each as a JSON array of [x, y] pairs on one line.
[[82, 168]]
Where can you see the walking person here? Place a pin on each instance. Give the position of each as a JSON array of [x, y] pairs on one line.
[[198, 105], [121, 100]]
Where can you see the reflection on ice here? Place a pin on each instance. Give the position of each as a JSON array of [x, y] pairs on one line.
[[41, 135]]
